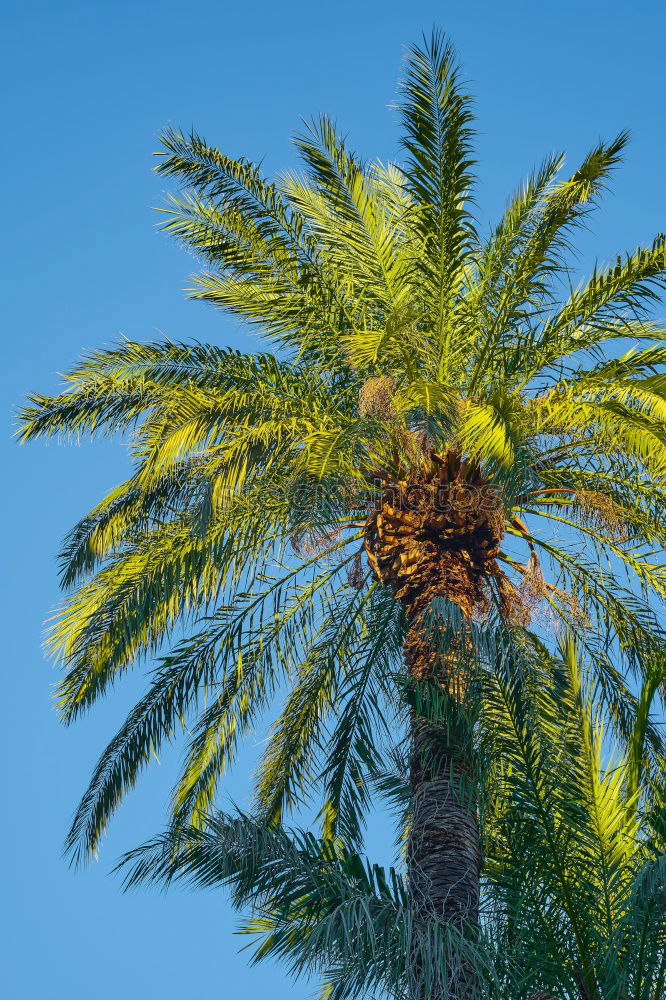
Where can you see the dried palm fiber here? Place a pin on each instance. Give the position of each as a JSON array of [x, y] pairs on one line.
[[527, 603], [356, 573], [314, 542], [570, 608], [599, 511], [519, 604], [532, 589], [514, 609]]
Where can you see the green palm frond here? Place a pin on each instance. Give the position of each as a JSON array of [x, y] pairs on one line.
[[567, 843], [351, 655], [319, 908], [436, 117]]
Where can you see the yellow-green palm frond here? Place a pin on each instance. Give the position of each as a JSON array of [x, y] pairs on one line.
[[522, 294], [226, 671], [436, 118], [594, 313], [357, 229], [566, 860]]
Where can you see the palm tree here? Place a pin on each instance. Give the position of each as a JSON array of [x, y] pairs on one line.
[[445, 448]]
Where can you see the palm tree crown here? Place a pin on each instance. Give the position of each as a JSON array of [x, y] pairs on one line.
[[446, 424]]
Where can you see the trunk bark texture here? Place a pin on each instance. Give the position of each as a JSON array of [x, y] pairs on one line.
[[444, 855], [444, 848]]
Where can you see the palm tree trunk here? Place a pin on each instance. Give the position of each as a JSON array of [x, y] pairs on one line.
[[444, 846], [444, 852]]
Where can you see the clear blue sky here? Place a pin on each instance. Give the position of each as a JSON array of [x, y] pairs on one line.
[[87, 86]]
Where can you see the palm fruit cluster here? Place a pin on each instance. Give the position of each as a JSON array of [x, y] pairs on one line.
[[437, 534], [376, 397]]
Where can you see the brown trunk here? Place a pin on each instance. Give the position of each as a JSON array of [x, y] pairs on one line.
[[444, 851], [444, 847]]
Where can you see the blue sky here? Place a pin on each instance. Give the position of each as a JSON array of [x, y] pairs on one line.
[[88, 86]]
